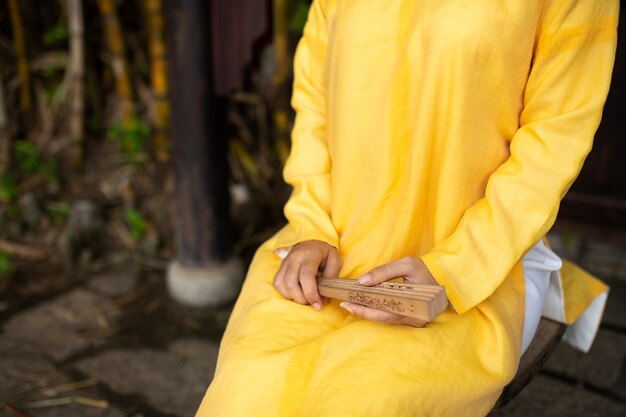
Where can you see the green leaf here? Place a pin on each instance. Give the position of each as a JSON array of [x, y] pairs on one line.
[[58, 33], [48, 170], [27, 156], [131, 138], [138, 225], [49, 72], [58, 211], [93, 122], [299, 15], [569, 239], [8, 188], [6, 267]]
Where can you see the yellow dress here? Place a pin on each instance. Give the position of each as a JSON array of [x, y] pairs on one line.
[[448, 130]]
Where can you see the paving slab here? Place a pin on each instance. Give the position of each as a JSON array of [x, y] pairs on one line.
[[615, 311], [27, 379], [601, 367], [19, 366], [602, 259], [566, 245], [114, 283], [65, 325], [73, 409], [172, 381], [546, 397]]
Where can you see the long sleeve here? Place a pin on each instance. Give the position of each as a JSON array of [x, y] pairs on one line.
[[308, 166], [563, 100]]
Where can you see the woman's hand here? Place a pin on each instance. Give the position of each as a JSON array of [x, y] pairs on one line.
[[296, 278], [411, 269]]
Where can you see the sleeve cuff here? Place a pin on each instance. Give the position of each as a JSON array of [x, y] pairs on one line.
[[289, 237], [455, 298]]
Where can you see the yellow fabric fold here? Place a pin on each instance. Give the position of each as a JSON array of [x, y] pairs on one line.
[[580, 288]]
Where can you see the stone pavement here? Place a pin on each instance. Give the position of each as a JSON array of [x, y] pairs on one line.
[[116, 346]]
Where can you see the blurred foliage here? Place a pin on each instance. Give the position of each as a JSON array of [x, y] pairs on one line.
[[131, 139], [299, 13], [50, 72], [27, 156], [6, 267], [58, 211], [118, 167], [569, 239], [8, 188], [30, 161], [137, 224], [57, 34], [247, 160]]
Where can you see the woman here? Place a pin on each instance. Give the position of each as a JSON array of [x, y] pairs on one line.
[[433, 140]]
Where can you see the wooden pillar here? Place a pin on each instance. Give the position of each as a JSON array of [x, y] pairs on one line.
[[204, 273]]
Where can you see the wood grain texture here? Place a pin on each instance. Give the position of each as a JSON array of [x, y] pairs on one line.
[[424, 302]]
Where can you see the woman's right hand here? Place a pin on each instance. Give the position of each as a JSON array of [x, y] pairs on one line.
[[296, 278]]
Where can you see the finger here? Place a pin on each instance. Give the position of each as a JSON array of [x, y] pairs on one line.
[[279, 277], [308, 282], [332, 265], [380, 316], [371, 314], [291, 283], [385, 272]]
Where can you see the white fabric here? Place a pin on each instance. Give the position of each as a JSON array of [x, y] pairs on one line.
[[283, 252], [582, 332], [554, 308], [539, 264], [544, 297]]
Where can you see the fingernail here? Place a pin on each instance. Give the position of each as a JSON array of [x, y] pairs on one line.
[[317, 306], [346, 307], [365, 279]]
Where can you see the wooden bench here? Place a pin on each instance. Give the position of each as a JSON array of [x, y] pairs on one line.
[[546, 339]]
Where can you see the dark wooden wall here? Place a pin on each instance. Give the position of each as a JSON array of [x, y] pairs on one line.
[[238, 28], [599, 194]]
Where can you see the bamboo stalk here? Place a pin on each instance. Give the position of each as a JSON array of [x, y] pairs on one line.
[[76, 77], [5, 144], [281, 55], [3, 114], [158, 69], [20, 50], [280, 39], [115, 44]]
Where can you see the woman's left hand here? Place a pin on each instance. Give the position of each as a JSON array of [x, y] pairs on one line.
[[411, 269]]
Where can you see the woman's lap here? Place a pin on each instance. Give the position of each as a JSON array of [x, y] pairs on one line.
[[279, 358]]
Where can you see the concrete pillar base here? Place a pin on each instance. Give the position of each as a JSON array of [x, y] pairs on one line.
[[205, 287]]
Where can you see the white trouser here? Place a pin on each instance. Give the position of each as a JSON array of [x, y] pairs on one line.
[[539, 262]]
